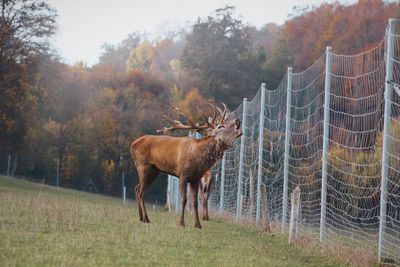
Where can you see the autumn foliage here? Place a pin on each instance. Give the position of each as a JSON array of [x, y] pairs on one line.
[[86, 117]]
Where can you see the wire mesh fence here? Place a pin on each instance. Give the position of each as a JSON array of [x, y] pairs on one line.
[[334, 131]]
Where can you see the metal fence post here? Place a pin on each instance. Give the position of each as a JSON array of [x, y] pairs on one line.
[[241, 159], [123, 184], [221, 199], [386, 133], [177, 194], [260, 151], [169, 193], [124, 195], [287, 148], [325, 146]]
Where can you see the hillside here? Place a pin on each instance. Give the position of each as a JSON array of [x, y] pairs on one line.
[[46, 226]]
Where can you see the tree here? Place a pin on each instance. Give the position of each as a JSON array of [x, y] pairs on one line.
[[275, 68], [219, 51], [116, 56], [24, 28], [141, 57]]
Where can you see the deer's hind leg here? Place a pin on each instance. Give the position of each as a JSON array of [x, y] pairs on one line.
[[147, 174], [137, 188]]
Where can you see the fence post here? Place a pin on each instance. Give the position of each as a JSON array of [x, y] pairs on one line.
[[241, 159], [325, 146], [124, 195], [287, 148], [294, 215], [123, 184], [386, 133], [8, 165], [169, 193], [221, 200], [177, 194], [260, 151], [264, 200]]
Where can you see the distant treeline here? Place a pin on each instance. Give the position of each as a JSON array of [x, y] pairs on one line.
[[86, 117]]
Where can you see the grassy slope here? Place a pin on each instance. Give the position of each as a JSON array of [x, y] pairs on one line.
[[64, 227]]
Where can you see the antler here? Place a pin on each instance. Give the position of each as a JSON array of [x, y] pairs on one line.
[[211, 122], [214, 122], [177, 125]]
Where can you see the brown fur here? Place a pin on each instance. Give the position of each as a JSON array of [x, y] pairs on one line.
[[205, 189], [184, 157]]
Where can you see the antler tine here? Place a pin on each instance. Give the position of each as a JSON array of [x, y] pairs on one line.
[[175, 125], [205, 117], [214, 114], [183, 115], [222, 113]]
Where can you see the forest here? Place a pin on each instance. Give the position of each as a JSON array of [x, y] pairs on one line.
[[82, 118]]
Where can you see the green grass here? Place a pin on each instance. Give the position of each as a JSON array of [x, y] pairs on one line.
[[46, 226]]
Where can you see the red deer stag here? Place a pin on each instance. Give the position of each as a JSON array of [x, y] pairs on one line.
[[205, 189], [184, 157]]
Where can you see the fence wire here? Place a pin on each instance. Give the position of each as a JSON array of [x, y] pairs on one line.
[[355, 199]]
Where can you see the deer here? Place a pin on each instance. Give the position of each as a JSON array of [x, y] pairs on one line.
[[184, 157], [205, 189]]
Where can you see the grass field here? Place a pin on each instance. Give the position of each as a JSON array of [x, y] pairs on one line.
[[46, 226]]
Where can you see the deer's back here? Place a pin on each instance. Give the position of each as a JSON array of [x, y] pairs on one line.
[[169, 154]]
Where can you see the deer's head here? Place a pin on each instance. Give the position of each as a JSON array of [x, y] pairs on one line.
[[222, 129]]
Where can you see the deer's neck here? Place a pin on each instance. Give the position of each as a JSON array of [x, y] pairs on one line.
[[209, 152]]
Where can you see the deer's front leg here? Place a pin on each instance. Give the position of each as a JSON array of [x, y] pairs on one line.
[[194, 188], [183, 188]]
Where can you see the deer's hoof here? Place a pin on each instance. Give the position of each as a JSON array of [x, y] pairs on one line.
[[146, 220], [182, 223], [198, 225]]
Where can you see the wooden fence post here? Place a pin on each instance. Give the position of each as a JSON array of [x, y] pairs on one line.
[[264, 201], [294, 214]]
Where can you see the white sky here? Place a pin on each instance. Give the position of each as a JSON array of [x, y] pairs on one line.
[[84, 25]]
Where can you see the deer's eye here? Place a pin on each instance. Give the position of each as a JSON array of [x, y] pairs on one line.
[[220, 126]]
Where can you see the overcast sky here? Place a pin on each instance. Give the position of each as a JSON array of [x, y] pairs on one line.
[[84, 25]]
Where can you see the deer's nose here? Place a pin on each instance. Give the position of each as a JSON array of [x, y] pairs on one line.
[[237, 123]]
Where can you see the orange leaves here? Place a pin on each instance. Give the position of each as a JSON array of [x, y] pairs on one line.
[[348, 29]]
